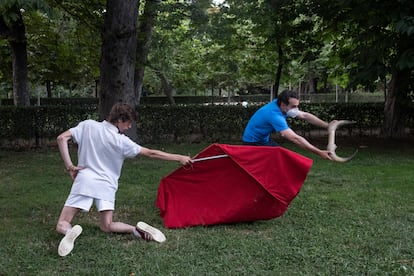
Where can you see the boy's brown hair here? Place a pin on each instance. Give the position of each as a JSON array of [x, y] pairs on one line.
[[123, 112]]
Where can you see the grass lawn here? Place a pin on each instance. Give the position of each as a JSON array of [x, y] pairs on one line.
[[349, 219]]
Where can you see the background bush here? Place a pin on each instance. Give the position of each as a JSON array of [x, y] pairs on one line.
[[39, 125]]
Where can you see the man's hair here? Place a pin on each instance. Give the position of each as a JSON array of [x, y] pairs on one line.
[[285, 96], [123, 112]]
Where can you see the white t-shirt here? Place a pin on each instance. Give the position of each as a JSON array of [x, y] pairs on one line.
[[101, 151]]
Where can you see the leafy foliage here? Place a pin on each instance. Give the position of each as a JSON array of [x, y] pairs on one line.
[[234, 46], [379, 34]]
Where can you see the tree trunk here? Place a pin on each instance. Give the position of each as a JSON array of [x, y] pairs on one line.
[[279, 69], [48, 89], [118, 56], [20, 92], [145, 29], [394, 110], [97, 88], [166, 87], [312, 85], [325, 81], [16, 36]]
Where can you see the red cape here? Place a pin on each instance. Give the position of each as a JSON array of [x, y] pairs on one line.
[[252, 183]]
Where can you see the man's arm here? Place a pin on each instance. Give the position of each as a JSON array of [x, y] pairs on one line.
[[303, 143], [312, 119], [184, 160]]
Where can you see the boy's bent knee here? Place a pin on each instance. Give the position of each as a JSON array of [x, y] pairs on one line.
[[105, 228], [62, 227]]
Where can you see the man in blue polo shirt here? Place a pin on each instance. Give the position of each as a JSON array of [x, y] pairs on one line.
[[272, 118]]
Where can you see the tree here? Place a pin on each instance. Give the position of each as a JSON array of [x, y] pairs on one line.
[[118, 55], [172, 47], [382, 44], [145, 29], [286, 32], [46, 46], [62, 51], [13, 29]]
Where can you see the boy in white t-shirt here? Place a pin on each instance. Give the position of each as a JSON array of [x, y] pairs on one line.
[[102, 149]]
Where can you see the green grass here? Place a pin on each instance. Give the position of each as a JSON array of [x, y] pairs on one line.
[[349, 219]]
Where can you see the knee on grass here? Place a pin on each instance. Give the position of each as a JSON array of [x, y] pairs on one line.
[[62, 227], [105, 227]]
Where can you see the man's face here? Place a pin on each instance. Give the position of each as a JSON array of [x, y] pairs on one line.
[[123, 126], [293, 103]]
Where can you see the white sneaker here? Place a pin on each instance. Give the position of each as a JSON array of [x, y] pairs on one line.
[[67, 243], [150, 233]]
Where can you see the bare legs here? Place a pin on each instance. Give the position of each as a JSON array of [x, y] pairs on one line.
[[105, 224], [65, 219], [64, 226]]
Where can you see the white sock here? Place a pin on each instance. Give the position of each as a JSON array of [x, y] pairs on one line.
[[67, 231], [137, 234]]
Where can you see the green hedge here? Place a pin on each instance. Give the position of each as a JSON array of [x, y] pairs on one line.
[[191, 123], [35, 126], [152, 100], [185, 100], [38, 126]]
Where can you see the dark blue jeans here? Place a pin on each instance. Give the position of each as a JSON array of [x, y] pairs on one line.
[[270, 143]]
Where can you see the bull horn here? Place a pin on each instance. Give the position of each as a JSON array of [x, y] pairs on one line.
[[331, 141]]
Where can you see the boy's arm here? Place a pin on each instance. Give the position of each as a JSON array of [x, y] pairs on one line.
[[62, 141], [184, 160]]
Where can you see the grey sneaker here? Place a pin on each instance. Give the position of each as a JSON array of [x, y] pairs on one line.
[[67, 243], [150, 233]]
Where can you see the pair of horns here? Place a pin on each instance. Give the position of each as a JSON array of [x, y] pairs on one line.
[[331, 141]]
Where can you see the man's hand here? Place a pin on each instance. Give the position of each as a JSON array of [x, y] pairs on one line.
[[325, 155], [331, 123]]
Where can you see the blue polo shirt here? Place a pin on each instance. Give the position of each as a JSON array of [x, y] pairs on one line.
[[264, 121]]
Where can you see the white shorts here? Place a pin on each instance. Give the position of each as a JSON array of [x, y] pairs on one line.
[[85, 203]]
